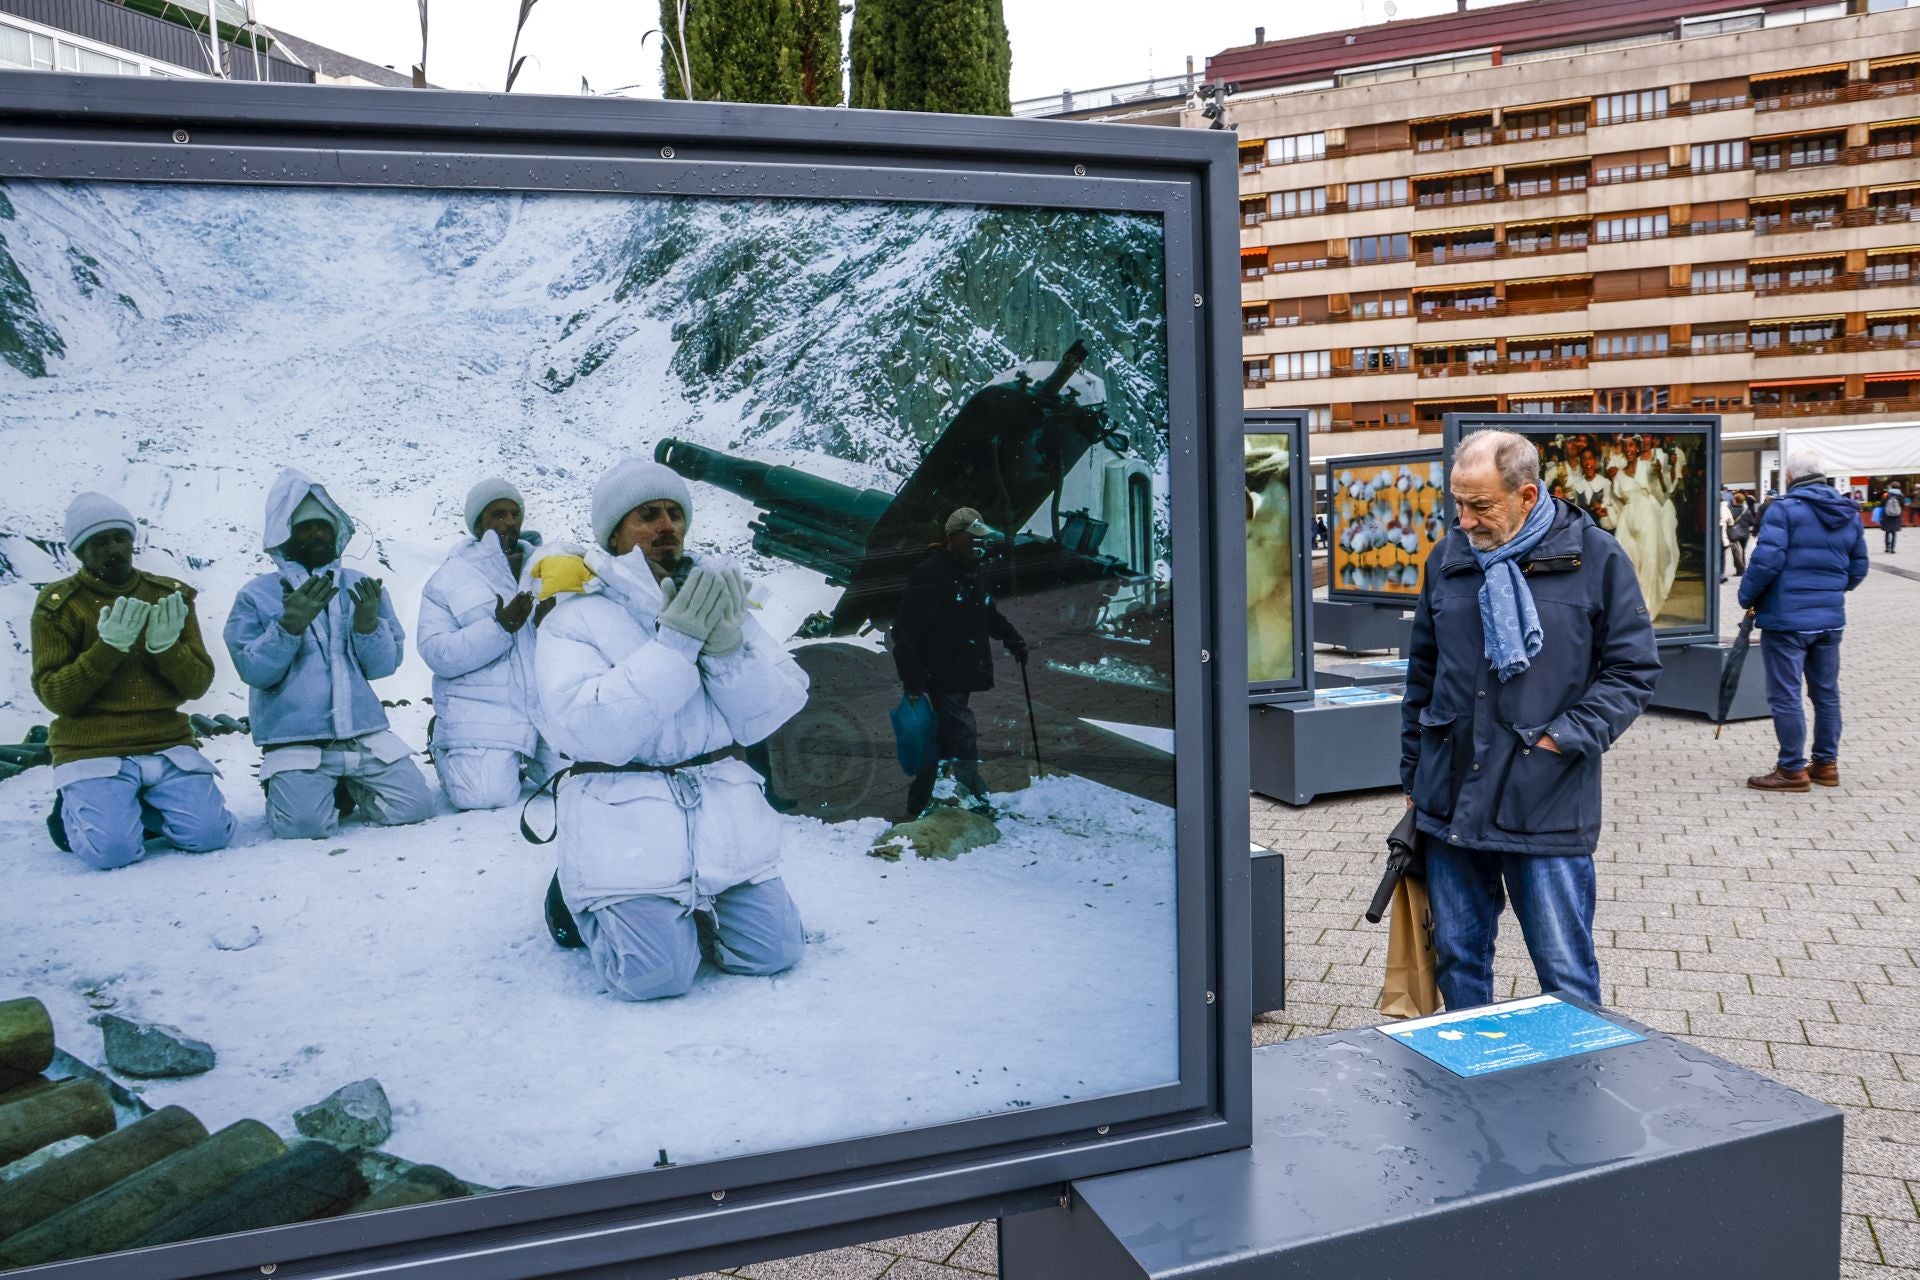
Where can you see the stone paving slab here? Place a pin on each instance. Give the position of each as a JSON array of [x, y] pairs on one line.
[[1781, 932]]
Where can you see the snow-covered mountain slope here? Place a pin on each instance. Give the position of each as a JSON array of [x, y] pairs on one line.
[[174, 346]]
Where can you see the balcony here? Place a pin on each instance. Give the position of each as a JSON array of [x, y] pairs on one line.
[[1522, 307], [1540, 133], [1458, 141], [1838, 408], [1821, 347], [1730, 102], [1638, 173], [1861, 92]]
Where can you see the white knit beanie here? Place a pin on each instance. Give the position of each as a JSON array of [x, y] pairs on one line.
[[632, 483], [92, 513], [488, 492]]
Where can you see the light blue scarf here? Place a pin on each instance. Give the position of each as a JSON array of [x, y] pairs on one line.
[[1507, 615]]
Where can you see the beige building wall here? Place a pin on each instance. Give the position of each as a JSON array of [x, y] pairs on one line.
[[1873, 257]]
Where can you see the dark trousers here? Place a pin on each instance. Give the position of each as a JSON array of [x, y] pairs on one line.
[[1890, 526], [958, 737], [1814, 655], [1739, 546]]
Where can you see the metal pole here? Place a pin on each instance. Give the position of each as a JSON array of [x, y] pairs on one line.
[[1039, 770]]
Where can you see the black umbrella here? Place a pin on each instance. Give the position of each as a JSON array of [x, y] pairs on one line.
[[1730, 674], [1403, 858]]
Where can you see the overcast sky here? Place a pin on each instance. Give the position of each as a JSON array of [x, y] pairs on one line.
[[1057, 44]]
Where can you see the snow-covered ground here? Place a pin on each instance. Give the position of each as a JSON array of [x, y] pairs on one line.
[[1029, 972]]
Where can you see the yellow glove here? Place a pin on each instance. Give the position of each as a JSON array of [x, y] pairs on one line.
[[560, 575]]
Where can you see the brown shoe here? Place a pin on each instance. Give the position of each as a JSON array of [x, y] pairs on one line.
[[1781, 780], [1826, 773]]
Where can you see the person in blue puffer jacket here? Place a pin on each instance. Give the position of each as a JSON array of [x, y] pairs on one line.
[[1810, 553], [308, 639]]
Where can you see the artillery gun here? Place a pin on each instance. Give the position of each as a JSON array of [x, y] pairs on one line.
[[1078, 583]]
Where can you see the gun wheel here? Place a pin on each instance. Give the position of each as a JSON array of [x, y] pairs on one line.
[[835, 759]]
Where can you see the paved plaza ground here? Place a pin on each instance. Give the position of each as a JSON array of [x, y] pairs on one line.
[[1781, 932]]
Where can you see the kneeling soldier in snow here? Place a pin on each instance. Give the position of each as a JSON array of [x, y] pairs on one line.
[[116, 651], [308, 648], [474, 635], [650, 676]]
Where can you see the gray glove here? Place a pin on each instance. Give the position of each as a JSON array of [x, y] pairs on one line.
[[696, 607], [299, 606], [121, 622], [727, 635], [166, 622]]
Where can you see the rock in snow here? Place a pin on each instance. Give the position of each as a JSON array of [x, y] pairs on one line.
[[236, 937], [152, 1050], [354, 1115], [947, 832]]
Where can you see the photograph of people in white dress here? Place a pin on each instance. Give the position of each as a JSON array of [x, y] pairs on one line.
[[1649, 491]]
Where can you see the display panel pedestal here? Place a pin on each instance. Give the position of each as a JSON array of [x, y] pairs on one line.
[[1371, 1162], [1269, 930], [1358, 626], [1369, 674], [1321, 746], [1690, 681]]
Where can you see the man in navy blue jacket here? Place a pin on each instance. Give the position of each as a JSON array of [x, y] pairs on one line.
[[1531, 653], [1811, 552]]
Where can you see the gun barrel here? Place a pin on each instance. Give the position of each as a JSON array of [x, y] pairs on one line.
[[787, 494], [1069, 365]]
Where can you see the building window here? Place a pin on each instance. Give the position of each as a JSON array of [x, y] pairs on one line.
[[1299, 146], [1794, 153], [1320, 418], [1631, 400], [1570, 403], [1634, 226], [1620, 108], [1888, 270], [1794, 333], [1716, 157], [1368, 249], [1691, 27], [1256, 373], [1568, 350], [1718, 339], [1289, 366], [1627, 346], [1795, 275], [1381, 358], [1378, 306], [87, 62], [1297, 204], [1730, 279], [1631, 166], [22, 48], [1525, 126], [1384, 194]]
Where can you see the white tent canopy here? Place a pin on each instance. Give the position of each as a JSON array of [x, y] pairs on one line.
[[1878, 450]]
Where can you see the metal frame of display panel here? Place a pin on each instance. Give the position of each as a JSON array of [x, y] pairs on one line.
[[1291, 423], [666, 1221], [1405, 599], [1706, 426]]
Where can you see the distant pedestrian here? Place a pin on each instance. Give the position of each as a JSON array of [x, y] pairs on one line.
[[1811, 552], [1740, 532], [1893, 512], [1532, 651]]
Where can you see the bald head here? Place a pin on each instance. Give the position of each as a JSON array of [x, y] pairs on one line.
[[1495, 485], [1514, 457]]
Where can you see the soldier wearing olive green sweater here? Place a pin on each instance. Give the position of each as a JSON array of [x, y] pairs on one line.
[[116, 652]]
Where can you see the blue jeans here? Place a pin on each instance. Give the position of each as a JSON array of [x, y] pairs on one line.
[[1553, 899], [1789, 655], [106, 818]]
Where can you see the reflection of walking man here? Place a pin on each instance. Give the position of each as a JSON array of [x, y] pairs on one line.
[[309, 639], [942, 648], [1893, 512], [649, 677], [115, 652], [1531, 653]]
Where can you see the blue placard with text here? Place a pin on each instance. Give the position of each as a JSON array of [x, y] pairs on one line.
[[1474, 1042]]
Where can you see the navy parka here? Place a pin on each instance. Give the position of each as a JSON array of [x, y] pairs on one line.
[[1467, 753], [1810, 554]]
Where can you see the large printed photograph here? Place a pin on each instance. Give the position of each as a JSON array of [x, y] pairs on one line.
[[806, 776], [1272, 648], [1650, 490], [1385, 513]]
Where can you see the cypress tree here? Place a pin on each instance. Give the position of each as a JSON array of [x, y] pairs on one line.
[[782, 51], [931, 55]]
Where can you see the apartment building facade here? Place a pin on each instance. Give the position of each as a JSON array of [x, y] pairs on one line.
[[1634, 206]]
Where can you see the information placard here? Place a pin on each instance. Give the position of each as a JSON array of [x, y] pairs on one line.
[[1477, 1042]]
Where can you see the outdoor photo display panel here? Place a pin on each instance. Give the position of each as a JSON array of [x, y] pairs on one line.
[[1652, 481], [1385, 513], [1275, 475], [831, 382]]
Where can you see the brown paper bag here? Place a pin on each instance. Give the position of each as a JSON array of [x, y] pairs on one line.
[[1410, 990]]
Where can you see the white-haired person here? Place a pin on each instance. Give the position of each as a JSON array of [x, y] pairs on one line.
[[652, 676], [1810, 552]]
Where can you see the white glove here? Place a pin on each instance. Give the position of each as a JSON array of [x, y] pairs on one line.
[[727, 635], [122, 622], [166, 622], [696, 607]]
